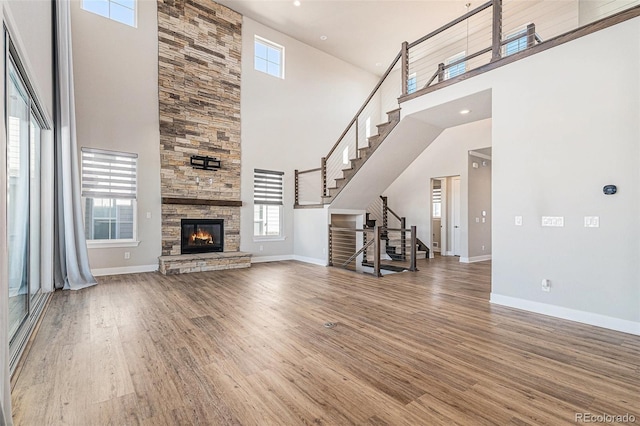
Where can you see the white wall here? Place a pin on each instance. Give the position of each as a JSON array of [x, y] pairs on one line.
[[30, 25], [116, 90], [592, 10], [574, 140], [479, 226], [446, 156], [561, 132], [290, 124]]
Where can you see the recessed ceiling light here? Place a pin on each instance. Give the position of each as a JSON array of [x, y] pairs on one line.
[[297, 3], [465, 111], [323, 37]]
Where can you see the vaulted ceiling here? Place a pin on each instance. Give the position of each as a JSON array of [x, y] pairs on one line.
[[366, 33]]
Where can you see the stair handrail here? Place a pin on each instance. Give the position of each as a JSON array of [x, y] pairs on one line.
[[387, 209], [385, 205], [364, 105]]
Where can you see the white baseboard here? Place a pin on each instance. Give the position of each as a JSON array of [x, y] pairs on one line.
[[100, 272], [584, 317], [475, 258], [312, 260], [262, 259]]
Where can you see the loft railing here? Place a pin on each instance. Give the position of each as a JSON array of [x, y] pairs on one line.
[[484, 35]]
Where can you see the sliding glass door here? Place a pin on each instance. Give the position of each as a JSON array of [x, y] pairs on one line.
[[18, 195], [24, 149]]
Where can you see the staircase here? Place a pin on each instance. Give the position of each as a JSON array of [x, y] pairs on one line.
[[379, 212], [422, 67], [363, 155]]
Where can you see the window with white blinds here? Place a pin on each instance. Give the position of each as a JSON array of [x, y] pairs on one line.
[[437, 202], [267, 200], [267, 187], [109, 174]]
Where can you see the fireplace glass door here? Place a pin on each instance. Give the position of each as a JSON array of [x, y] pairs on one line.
[[202, 235]]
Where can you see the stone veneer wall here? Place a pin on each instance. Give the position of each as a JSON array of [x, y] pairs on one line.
[[199, 90]]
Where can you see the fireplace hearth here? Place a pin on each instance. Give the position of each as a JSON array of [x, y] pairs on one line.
[[202, 235]]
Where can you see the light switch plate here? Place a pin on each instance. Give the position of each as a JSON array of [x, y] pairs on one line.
[[591, 221], [518, 221]]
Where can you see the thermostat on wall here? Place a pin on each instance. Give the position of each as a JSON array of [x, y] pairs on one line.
[[610, 189]]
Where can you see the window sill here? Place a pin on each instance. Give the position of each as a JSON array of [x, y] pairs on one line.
[[261, 239], [112, 244]]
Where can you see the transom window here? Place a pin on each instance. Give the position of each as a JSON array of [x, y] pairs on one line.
[[269, 57], [123, 11]]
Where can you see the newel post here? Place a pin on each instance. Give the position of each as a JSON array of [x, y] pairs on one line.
[[323, 174], [531, 35], [496, 46], [405, 68], [376, 251], [297, 188], [414, 251]]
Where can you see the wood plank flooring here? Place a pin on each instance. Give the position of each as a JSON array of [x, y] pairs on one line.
[[248, 347]]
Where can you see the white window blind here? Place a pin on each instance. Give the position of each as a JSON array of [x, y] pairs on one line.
[[437, 195], [267, 187], [109, 174]]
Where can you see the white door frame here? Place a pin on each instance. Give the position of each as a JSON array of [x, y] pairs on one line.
[[456, 218]]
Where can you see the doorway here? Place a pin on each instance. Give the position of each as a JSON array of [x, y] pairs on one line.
[[445, 216]]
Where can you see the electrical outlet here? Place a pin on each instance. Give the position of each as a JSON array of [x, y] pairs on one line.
[[127, 255], [148, 215], [546, 285], [518, 220], [482, 248]]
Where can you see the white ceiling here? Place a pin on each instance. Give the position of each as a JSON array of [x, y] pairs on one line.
[[365, 33], [448, 114]]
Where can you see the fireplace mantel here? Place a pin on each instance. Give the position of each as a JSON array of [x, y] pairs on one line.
[[201, 202]]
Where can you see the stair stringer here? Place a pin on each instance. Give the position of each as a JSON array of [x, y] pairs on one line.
[[400, 148]]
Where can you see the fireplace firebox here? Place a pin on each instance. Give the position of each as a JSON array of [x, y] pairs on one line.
[[202, 235]]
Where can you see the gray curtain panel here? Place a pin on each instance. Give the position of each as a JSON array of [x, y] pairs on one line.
[[72, 271], [5, 387]]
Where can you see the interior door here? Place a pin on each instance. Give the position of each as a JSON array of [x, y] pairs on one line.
[[455, 215]]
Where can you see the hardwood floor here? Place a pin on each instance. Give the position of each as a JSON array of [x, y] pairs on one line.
[[249, 347]]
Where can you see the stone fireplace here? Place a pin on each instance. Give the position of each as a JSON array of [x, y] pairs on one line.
[[199, 98]]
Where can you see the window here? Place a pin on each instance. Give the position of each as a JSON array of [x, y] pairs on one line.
[[437, 200], [457, 69], [267, 200], [412, 83], [345, 156], [123, 11], [269, 57], [517, 44], [109, 189]]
